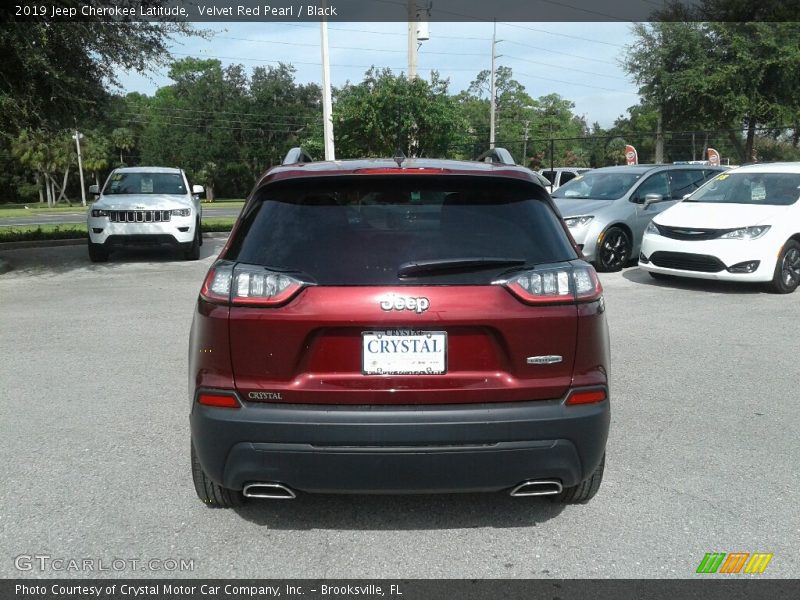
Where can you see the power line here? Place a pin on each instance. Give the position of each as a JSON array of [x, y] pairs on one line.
[[297, 62], [536, 62], [315, 28], [564, 35], [584, 10], [600, 60], [345, 47], [393, 68], [586, 85]]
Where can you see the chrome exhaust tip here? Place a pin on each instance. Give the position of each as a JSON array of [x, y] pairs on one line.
[[544, 487], [271, 491]]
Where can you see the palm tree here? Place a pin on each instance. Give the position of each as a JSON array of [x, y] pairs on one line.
[[123, 139]]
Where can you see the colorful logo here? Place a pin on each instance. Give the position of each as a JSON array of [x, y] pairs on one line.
[[735, 562]]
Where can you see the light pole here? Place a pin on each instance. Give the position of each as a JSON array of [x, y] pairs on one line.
[[412, 39], [77, 137], [418, 32], [492, 88], [327, 103], [525, 138]]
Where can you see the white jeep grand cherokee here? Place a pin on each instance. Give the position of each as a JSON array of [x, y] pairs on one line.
[[145, 206]]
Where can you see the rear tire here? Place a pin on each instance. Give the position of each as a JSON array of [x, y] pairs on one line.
[[585, 490], [787, 270], [212, 494], [613, 251], [97, 253]]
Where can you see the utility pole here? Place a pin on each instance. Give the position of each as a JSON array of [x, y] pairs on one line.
[[77, 137], [327, 103], [492, 90], [659, 137], [525, 144], [412, 39]]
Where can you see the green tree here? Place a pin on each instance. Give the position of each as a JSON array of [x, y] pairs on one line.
[[46, 155], [515, 112], [206, 177], [53, 71], [123, 140], [30, 149], [385, 111], [714, 75], [96, 150]]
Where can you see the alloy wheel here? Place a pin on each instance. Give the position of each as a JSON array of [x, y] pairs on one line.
[[615, 249], [790, 267]]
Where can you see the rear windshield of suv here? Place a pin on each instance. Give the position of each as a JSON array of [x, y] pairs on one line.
[[362, 230]]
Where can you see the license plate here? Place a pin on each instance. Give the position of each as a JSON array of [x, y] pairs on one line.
[[404, 352]]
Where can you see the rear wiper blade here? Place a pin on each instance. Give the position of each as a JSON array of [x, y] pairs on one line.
[[443, 265]]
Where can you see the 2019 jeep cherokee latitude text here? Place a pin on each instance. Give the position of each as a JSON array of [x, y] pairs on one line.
[[370, 328]]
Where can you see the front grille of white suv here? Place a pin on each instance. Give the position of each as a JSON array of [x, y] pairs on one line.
[[139, 216]]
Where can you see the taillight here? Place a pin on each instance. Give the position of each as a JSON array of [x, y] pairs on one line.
[[555, 286], [586, 396], [248, 285], [217, 285], [218, 400]]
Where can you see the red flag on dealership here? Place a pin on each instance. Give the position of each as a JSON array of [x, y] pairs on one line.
[[713, 157], [631, 156]]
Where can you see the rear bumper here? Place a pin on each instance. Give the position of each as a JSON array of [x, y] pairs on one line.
[[400, 449]]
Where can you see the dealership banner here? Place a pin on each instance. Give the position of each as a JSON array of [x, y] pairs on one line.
[[631, 155], [704, 586]]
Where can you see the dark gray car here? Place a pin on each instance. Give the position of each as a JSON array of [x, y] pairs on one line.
[[608, 209]]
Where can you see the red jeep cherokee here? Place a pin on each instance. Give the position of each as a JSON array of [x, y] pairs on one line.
[[375, 328]]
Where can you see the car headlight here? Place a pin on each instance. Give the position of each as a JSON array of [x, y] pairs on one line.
[[652, 229], [746, 233], [575, 222], [181, 212], [96, 212]]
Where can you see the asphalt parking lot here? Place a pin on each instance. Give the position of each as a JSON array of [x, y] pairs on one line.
[[702, 456]]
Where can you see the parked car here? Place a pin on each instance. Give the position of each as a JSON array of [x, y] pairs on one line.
[[561, 175], [743, 225], [145, 206], [424, 327], [608, 209]]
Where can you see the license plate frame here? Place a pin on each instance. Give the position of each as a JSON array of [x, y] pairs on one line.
[[437, 366]]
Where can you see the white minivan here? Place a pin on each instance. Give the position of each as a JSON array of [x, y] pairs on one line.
[[743, 225]]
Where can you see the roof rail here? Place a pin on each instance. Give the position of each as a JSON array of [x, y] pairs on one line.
[[497, 155], [296, 156]]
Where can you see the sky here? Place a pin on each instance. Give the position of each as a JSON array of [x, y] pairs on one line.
[[579, 61]]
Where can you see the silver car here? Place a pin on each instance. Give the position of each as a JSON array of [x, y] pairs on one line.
[[608, 209]]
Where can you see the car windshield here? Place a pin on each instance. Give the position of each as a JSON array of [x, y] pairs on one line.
[[598, 186], [778, 189], [140, 182], [375, 230]]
